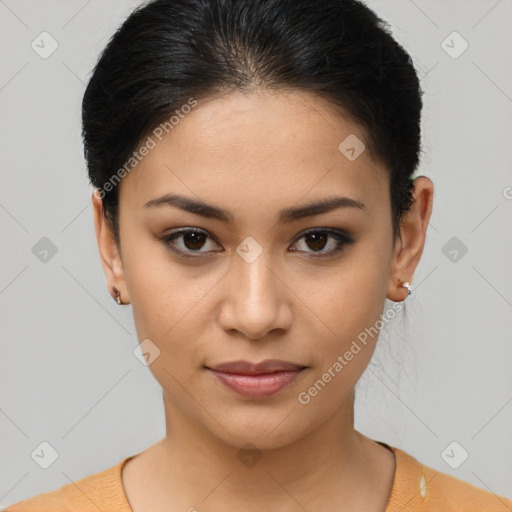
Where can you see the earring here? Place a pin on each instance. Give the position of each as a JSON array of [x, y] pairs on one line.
[[117, 296], [408, 286]]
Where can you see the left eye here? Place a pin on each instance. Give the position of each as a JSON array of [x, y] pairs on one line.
[[193, 239], [318, 240]]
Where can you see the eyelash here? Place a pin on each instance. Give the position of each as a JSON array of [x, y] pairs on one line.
[[342, 239]]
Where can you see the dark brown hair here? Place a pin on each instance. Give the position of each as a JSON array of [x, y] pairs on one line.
[[169, 51]]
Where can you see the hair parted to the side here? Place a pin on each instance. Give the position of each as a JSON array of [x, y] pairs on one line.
[[169, 51]]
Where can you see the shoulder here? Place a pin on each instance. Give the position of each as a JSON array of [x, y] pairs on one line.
[[420, 487], [446, 490], [100, 491]]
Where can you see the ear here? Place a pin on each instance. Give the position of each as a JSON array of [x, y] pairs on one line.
[[109, 253], [409, 246]]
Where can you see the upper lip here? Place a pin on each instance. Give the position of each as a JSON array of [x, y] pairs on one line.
[[246, 368]]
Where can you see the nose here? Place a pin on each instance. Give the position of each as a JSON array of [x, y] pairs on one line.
[[256, 298]]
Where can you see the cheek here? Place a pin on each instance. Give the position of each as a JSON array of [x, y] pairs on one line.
[[348, 296], [168, 301], [346, 329], [343, 310]]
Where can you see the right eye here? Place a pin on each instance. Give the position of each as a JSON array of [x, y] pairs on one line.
[[191, 240]]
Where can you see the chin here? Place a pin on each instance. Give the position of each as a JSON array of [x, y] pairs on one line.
[[265, 429]]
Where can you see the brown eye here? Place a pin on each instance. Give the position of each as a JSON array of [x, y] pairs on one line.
[[318, 239], [191, 241]]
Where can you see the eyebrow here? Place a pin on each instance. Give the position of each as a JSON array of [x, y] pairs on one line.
[[287, 215]]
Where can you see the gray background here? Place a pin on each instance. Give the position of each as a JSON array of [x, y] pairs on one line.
[[68, 375]]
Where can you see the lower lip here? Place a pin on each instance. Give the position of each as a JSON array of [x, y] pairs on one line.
[[257, 386]]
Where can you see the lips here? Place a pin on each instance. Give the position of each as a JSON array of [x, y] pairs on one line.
[[256, 380], [246, 368]]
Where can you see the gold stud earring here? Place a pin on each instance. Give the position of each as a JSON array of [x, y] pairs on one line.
[[117, 296]]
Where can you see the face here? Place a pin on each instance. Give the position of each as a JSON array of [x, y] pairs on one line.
[[252, 283]]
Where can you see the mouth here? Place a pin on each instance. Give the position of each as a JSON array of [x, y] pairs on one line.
[[256, 380]]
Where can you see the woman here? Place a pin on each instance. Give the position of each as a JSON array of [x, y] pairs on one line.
[[254, 201]]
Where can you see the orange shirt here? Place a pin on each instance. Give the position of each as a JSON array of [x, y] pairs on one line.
[[415, 488]]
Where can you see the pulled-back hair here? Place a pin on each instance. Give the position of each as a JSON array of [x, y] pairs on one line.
[[168, 53]]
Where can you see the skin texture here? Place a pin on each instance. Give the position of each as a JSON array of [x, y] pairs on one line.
[[254, 155]]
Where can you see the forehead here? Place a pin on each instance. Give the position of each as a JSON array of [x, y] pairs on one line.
[[275, 147]]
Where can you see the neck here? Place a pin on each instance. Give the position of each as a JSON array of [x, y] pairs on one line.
[[191, 467]]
